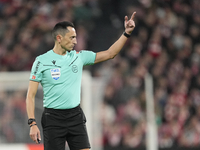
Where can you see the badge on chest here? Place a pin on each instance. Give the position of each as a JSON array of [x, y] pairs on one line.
[[55, 73]]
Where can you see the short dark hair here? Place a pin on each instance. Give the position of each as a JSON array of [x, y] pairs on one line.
[[61, 28]]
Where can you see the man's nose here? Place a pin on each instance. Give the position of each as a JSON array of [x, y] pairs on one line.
[[75, 41]]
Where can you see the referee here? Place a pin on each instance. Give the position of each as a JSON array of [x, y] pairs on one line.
[[59, 71]]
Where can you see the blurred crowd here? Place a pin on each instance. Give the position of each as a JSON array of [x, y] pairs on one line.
[[13, 116], [165, 43]]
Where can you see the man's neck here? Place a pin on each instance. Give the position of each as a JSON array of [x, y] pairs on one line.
[[58, 50]]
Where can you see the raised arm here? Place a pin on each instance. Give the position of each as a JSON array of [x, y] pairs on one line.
[[30, 107], [117, 46]]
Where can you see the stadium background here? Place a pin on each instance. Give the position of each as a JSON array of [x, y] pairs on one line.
[[165, 43]]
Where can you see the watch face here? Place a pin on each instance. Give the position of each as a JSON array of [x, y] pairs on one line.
[[30, 121]]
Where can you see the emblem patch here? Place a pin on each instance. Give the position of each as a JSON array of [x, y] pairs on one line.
[[55, 73], [74, 68]]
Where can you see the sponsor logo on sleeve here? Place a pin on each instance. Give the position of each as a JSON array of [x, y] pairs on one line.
[[33, 77], [55, 73]]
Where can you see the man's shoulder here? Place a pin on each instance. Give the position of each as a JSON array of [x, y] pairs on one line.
[[44, 56], [82, 52], [74, 53], [85, 53]]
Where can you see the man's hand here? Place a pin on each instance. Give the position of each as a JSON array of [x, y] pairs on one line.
[[35, 134], [129, 24]]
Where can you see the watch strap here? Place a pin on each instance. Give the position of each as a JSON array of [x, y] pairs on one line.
[[126, 35]]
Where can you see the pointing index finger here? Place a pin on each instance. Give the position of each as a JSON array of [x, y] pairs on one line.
[[133, 15]]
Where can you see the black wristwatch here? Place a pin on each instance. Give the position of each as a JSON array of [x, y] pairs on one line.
[[126, 35], [31, 120]]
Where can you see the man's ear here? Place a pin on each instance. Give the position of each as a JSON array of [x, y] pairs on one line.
[[59, 38]]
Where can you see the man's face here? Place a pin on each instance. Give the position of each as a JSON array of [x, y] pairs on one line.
[[68, 41]]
